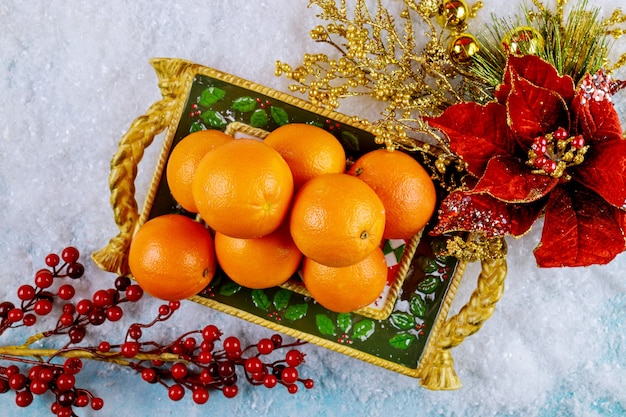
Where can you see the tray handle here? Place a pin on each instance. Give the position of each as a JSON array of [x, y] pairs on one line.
[[438, 372], [143, 130]]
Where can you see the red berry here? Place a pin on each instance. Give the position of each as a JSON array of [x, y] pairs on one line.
[[253, 365], [102, 298], [104, 346], [578, 142], [289, 375], [129, 349], [29, 320], [134, 293], [226, 369], [5, 307], [75, 270], [176, 392], [122, 282], [135, 332], [205, 376], [308, 383], [294, 358], [270, 381], [293, 388], [66, 292], [66, 319], [84, 307], [560, 134], [15, 315], [65, 382], [97, 316], [174, 305], [82, 400], [69, 308], [204, 358], [76, 334], [46, 375], [97, 403], [44, 278], [230, 391], [179, 370], [26, 292], [211, 333], [190, 343], [114, 313], [265, 346], [24, 398], [148, 375], [43, 307], [72, 366], [200, 395], [38, 387], [70, 254], [277, 340], [18, 381], [52, 260], [164, 310]]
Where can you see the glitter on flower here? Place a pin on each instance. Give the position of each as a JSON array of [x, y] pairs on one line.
[[543, 147]]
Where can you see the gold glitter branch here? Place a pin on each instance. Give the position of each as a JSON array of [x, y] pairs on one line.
[[381, 56]]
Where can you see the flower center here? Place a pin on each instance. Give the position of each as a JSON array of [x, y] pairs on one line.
[[553, 153]]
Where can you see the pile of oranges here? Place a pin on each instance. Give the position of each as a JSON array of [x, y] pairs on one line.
[[275, 206]]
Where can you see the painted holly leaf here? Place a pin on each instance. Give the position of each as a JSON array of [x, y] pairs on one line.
[[429, 284], [281, 299], [476, 133], [244, 104], [534, 111], [363, 330], [230, 288], [259, 118], [426, 264], [344, 322], [507, 179], [402, 321], [260, 299], [195, 127], [417, 306], [211, 96], [213, 119], [325, 325], [279, 115], [576, 220], [350, 140], [402, 340], [296, 311]]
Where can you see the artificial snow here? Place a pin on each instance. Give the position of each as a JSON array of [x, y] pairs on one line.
[[73, 77]]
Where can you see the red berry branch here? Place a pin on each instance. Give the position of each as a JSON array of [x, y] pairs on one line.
[[191, 363]]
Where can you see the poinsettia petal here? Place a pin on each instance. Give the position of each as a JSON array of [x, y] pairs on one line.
[[476, 133], [536, 71], [594, 114], [523, 216], [508, 179], [461, 211], [534, 111], [604, 171], [580, 229]]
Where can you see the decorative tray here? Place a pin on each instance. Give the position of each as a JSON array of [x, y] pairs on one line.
[[407, 330]]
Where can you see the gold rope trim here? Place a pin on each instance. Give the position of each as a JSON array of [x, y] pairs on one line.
[[438, 366]]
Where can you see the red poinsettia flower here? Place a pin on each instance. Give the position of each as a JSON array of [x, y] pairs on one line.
[[542, 147]]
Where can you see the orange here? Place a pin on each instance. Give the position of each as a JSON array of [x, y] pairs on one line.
[[403, 185], [172, 257], [243, 189], [309, 150], [337, 220], [349, 288], [263, 262], [183, 162]]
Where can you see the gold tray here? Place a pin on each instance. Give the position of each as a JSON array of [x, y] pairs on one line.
[[412, 334]]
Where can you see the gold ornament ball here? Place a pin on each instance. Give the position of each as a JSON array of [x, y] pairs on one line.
[[463, 48], [453, 13], [523, 40]]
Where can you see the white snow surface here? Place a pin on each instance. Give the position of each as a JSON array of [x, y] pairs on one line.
[[73, 77]]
